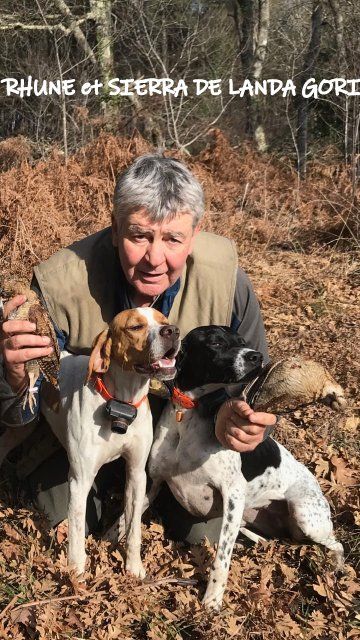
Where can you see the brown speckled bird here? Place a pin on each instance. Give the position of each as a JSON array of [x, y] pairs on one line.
[[288, 384], [33, 311]]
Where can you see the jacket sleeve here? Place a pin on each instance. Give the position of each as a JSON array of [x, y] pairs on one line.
[[246, 317], [247, 322], [12, 411]]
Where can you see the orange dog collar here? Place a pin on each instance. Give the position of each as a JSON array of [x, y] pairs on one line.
[[101, 388], [180, 398]]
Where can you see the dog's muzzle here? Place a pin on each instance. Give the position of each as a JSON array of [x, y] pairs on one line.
[[162, 359]]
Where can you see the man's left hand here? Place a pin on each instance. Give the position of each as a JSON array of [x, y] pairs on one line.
[[239, 427]]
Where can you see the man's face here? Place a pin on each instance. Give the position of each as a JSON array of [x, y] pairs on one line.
[[152, 254]]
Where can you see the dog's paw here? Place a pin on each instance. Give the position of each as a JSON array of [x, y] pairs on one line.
[[212, 601], [136, 569], [77, 567], [337, 560]]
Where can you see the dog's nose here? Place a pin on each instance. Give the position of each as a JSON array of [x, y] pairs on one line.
[[169, 331], [255, 357]]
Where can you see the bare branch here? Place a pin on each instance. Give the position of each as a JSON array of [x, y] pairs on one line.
[[209, 124], [75, 30], [63, 98], [33, 27]]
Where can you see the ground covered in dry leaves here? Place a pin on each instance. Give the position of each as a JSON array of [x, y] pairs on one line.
[[299, 244]]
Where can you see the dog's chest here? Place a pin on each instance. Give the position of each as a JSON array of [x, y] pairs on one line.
[[82, 423], [182, 447], [193, 463]]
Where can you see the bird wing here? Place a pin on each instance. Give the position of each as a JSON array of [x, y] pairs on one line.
[[49, 365]]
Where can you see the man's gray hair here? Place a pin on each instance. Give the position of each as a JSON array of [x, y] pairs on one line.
[[163, 186]]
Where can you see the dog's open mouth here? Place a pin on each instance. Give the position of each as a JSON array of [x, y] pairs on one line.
[[163, 368]]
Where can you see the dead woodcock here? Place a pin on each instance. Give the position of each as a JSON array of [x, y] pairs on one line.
[[288, 384], [34, 311], [284, 386]]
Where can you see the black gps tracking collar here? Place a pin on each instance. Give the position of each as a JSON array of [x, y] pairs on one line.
[[122, 415]]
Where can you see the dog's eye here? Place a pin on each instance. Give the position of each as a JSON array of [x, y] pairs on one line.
[[215, 344], [136, 327]]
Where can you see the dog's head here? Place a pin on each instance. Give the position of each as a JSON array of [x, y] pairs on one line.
[[215, 355], [140, 340]]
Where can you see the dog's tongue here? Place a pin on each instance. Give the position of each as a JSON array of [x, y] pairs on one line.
[[165, 363]]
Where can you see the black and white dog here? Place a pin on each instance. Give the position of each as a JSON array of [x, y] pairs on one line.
[[208, 480], [199, 471]]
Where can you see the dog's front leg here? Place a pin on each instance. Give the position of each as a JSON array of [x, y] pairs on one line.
[[233, 507], [134, 500], [79, 487]]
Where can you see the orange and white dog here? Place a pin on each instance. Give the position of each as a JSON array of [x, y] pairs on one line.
[[139, 344]]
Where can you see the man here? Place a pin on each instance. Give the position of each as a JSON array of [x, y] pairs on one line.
[[154, 255]]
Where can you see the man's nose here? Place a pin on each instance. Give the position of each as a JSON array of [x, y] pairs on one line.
[[155, 253], [169, 331]]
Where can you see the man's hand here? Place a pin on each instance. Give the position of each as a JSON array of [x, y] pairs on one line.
[[19, 344], [240, 428]]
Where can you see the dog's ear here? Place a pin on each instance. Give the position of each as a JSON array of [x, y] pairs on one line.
[[100, 356]]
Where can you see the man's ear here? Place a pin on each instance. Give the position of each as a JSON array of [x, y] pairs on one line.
[[100, 356]]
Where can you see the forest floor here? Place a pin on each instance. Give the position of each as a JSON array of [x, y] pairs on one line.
[[299, 245]]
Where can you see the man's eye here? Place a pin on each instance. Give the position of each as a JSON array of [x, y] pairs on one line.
[[174, 240], [136, 327]]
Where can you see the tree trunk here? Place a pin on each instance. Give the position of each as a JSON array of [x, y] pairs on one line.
[[340, 45], [101, 11], [307, 72], [259, 57], [247, 33], [252, 28], [75, 29]]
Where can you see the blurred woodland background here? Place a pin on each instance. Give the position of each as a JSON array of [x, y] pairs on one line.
[[254, 39], [281, 177]]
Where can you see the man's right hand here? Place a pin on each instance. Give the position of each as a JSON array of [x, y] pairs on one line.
[[19, 344], [239, 427]]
